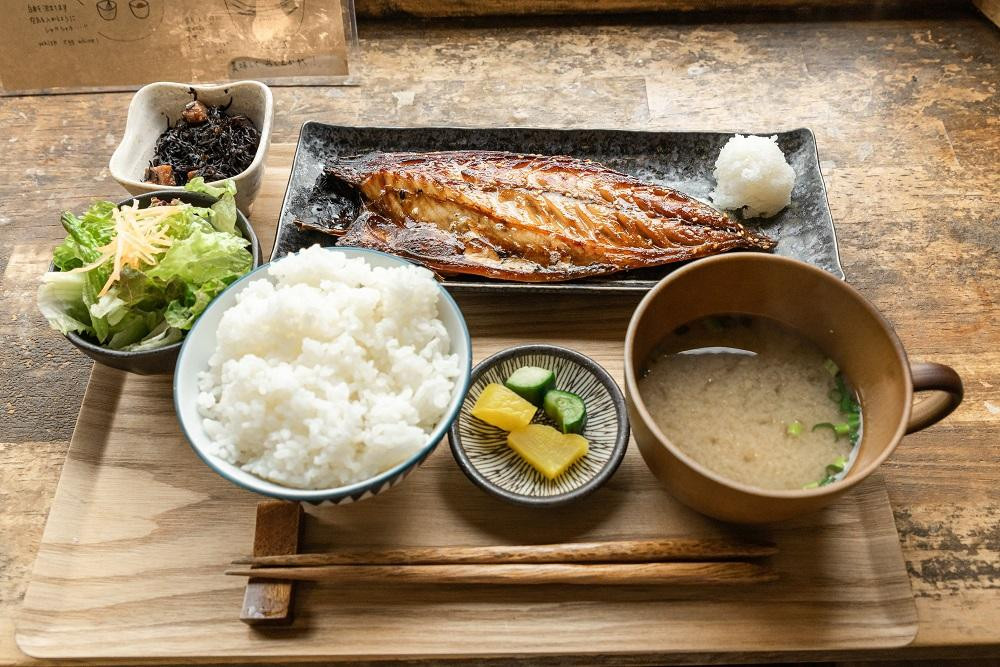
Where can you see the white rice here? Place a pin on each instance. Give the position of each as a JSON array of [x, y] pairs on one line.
[[329, 372], [752, 174]]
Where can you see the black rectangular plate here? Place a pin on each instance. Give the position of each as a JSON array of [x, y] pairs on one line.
[[681, 160]]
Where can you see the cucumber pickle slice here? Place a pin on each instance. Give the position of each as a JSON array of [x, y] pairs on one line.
[[566, 410], [531, 383]]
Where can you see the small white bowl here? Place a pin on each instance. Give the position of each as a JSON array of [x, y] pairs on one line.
[[201, 341], [156, 104]]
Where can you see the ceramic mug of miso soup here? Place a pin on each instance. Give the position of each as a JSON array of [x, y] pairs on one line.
[[761, 388]]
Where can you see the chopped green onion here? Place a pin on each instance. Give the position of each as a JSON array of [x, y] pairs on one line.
[[832, 471], [854, 420], [836, 467], [811, 485], [831, 367], [838, 429], [825, 425], [843, 396], [794, 429]]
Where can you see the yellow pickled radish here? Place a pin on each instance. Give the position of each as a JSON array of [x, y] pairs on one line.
[[501, 407], [547, 450]]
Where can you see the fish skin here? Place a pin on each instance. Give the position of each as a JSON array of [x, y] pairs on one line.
[[528, 218]]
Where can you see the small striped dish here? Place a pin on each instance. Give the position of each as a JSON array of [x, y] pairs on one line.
[[483, 455]]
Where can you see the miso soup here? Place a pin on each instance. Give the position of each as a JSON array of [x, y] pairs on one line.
[[754, 401]]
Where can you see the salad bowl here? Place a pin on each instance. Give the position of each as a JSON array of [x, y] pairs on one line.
[[160, 360]]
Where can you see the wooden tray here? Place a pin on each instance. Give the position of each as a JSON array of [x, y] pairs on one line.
[[140, 531]]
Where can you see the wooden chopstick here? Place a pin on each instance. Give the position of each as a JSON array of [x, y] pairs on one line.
[[609, 574], [632, 551]]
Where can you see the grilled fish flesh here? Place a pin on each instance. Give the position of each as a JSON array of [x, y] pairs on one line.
[[528, 218]]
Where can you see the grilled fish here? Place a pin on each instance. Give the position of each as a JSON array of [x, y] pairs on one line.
[[529, 218]]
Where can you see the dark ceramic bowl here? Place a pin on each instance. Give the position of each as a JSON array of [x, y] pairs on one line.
[[162, 360], [483, 455]]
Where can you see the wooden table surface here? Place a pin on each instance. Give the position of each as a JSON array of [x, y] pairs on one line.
[[906, 111]]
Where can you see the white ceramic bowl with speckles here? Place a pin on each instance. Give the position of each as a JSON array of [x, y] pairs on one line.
[[156, 104]]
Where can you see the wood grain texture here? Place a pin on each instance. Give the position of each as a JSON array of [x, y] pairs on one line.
[[621, 551], [541, 574], [276, 533], [451, 8], [906, 117], [108, 583], [990, 9]]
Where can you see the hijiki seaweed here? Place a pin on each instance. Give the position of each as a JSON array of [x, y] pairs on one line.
[[205, 141]]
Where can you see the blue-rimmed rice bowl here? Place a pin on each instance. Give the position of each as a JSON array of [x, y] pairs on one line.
[[200, 343]]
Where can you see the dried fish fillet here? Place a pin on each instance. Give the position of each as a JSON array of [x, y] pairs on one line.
[[530, 218]]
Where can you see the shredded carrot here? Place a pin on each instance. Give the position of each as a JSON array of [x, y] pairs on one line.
[[139, 237]]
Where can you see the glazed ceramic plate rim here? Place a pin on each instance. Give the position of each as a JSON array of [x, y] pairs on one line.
[[186, 379], [297, 195], [603, 474]]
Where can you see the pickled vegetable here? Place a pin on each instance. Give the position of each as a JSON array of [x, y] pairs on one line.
[[531, 383], [547, 450], [566, 409], [499, 406]]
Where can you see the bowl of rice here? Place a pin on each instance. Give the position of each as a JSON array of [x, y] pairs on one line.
[[325, 377]]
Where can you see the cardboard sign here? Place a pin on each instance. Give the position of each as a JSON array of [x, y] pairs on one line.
[[107, 43]]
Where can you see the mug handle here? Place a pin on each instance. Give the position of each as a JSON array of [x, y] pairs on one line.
[[948, 392]]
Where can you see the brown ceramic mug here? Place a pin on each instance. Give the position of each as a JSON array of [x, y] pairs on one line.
[[824, 309]]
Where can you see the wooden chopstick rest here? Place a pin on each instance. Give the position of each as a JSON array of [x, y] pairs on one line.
[[265, 600]]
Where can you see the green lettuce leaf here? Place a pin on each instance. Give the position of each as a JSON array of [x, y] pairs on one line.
[[132, 328], [198, 184], [205, 264], [92, 286], [182, 313], [109, 307], [181, 224], [86, 234], [60, 298], [202, 257], [138, 290], [161, 336], [223, 216]]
